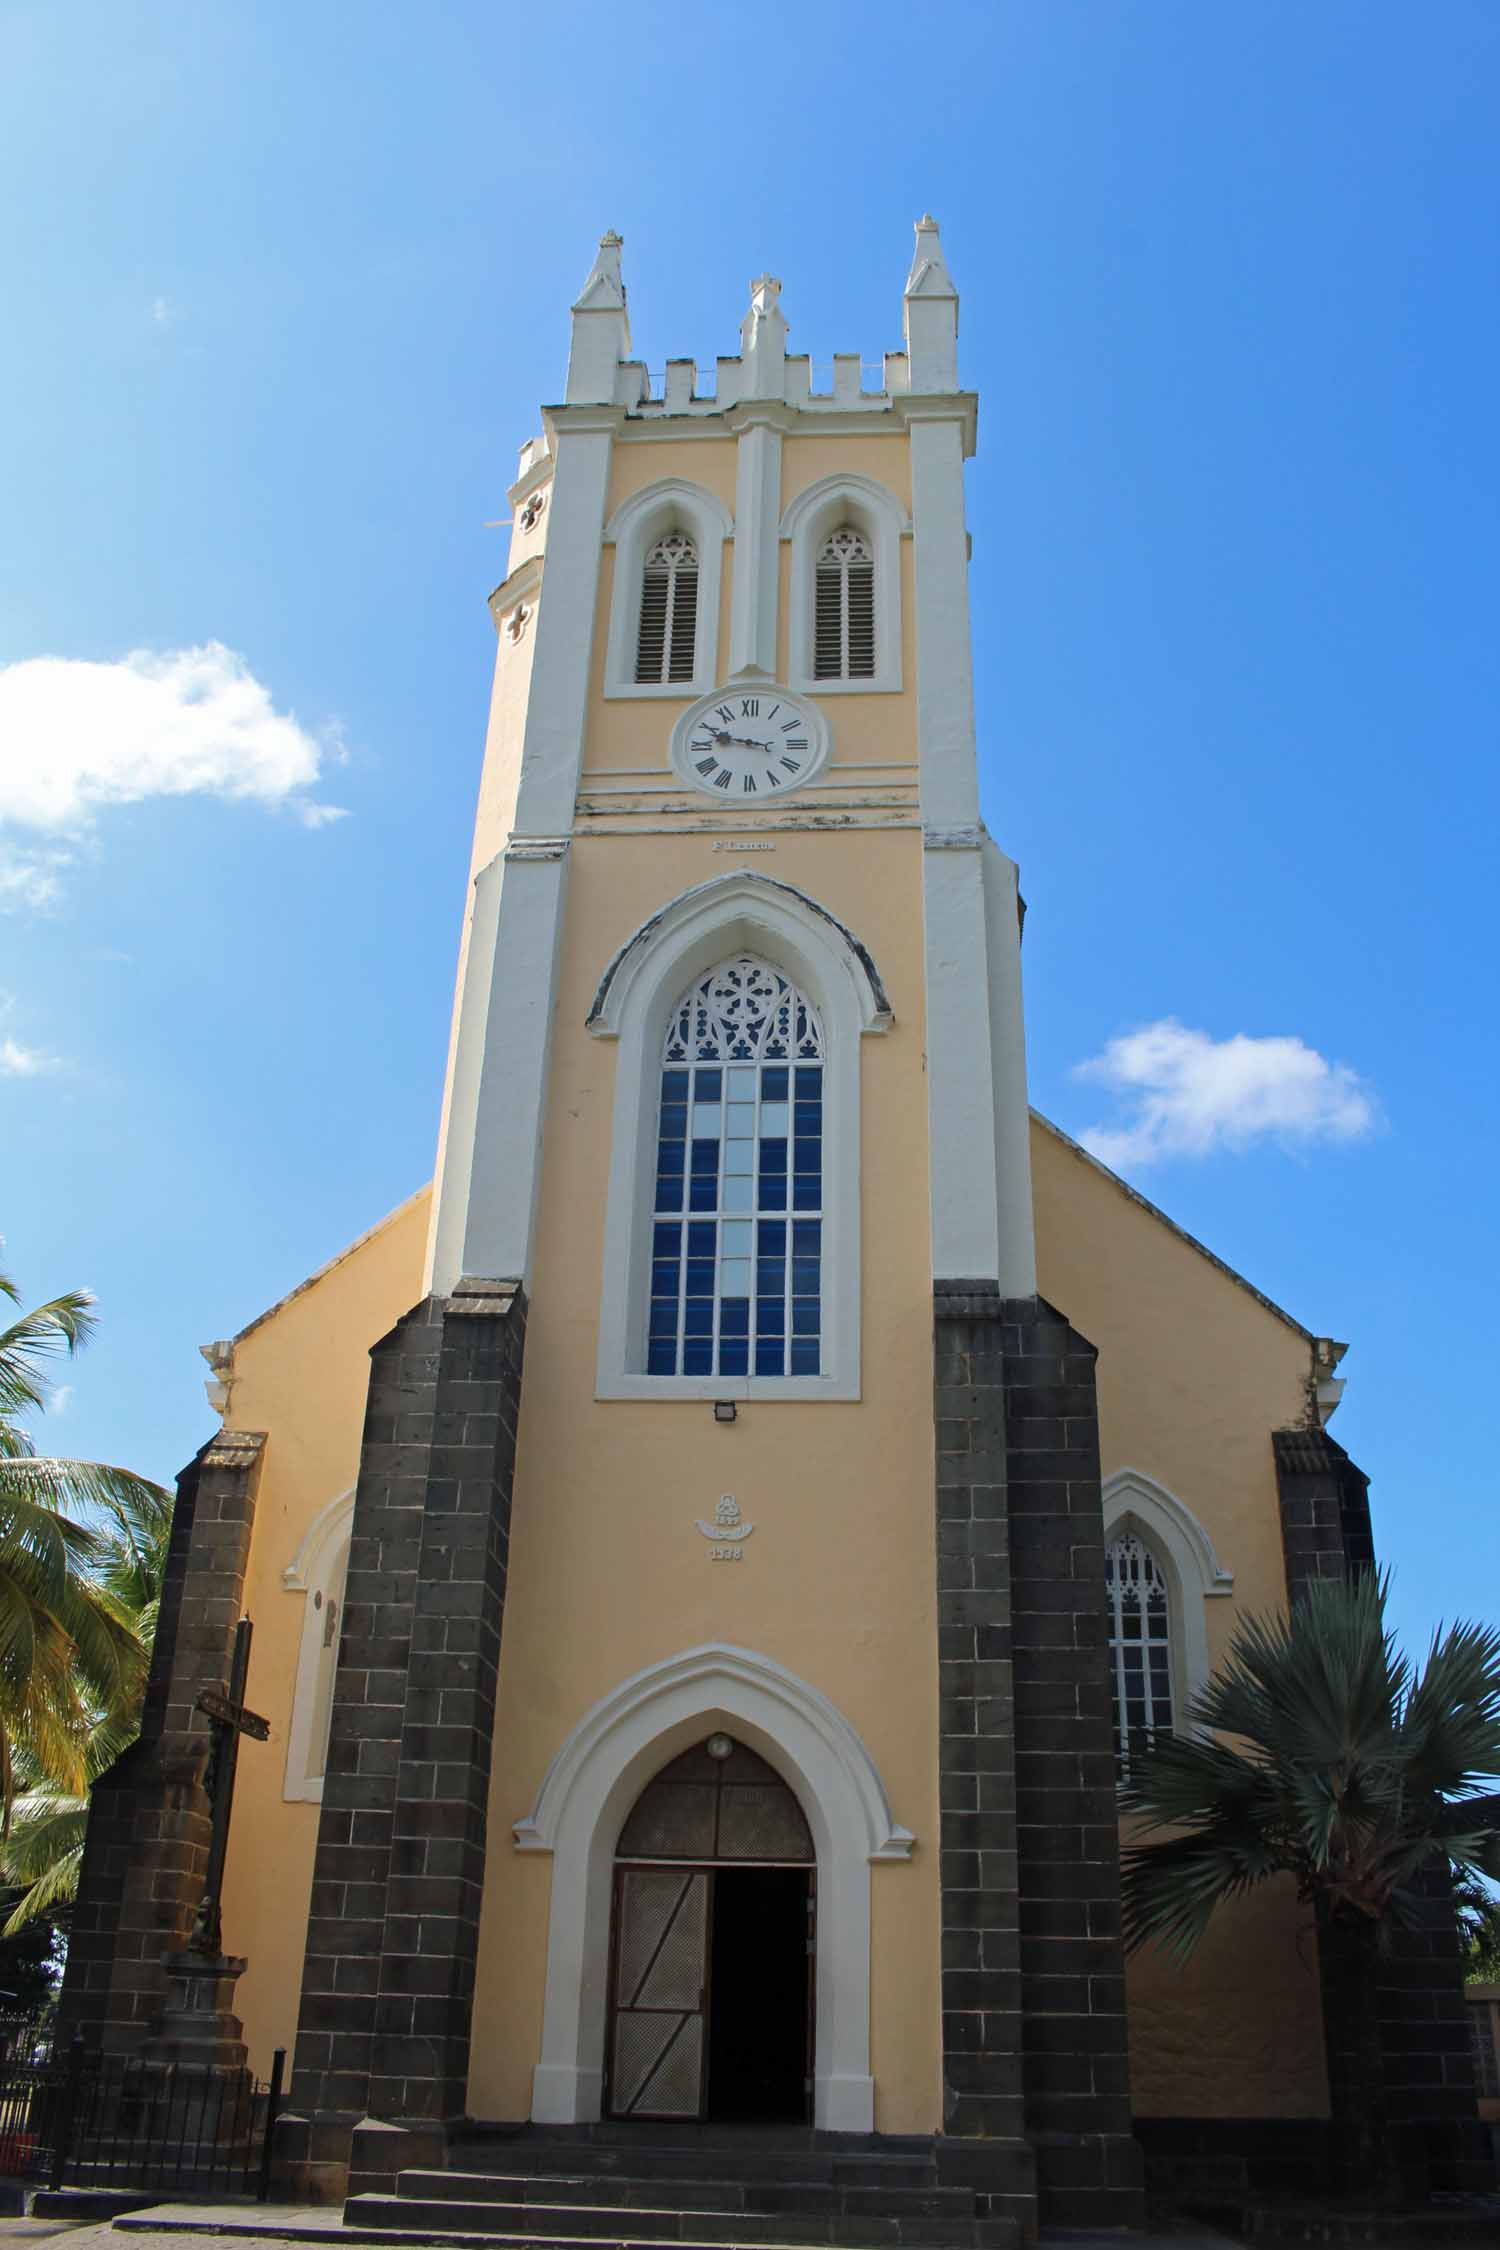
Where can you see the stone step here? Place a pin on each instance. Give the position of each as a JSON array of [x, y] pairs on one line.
[[747, 2193], [696, 2160], [392, 2216]]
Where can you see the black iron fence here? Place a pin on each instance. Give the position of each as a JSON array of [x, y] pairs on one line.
[[73, 2118]]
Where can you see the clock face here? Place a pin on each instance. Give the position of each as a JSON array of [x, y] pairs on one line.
[[747, 745]]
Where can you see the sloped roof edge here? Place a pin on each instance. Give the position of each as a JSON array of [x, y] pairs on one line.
[[329, 1264], [1076, 1148]]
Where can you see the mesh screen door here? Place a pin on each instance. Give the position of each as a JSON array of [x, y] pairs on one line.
[[661, 1975]]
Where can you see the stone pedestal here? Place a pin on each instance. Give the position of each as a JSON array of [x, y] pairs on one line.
[[198, 2026]]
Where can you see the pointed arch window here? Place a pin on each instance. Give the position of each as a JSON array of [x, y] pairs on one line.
[[666, 640], [737, 1241], [844, 607], [1140, 1644]]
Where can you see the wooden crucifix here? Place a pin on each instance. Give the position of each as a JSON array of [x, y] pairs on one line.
[[228, 1719]]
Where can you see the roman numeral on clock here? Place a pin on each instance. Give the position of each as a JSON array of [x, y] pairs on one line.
[[792, 765], [722, 780], [725, 715], [749, 706], [798, 742], [748, 785], [707, 765]]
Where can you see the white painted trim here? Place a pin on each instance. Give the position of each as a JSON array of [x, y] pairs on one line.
[[1185, 1553], [757, 556], [670, 504], [806, 522], [736, 911], [583, 1803], [317, 1569]]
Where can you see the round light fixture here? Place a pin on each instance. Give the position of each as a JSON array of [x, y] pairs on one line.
[[719, 1746]]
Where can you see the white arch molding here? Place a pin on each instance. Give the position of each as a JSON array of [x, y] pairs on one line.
[[581, 1807], [1181, 1544], [670, 504], [316, 1571], [736, 912]]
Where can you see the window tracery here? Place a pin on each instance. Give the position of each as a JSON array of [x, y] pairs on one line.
[[1140, 1644], [737, 1246]]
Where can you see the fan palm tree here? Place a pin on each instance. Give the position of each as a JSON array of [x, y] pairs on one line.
[[71, 1654], [1319, 1752]]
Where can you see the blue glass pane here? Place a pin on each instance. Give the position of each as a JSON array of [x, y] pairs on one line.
[[805, 1357], [673, 1126], [804, 1316], [773, 1191], [770, 1317], [661, 1359], [807, 1238], [674, 1085], [770, 1359], [665, 1275], [807, 1193], [700, 1277], [704, 1196], [807, 1155], [667, 1241], [770, 1278], [705, 1157], [773, 1080], [771, 1237], [734, 1316], [804, 1277], [734, 1357], [772, 1156], [700, 1239], [668, 1195], [669, 1159], [698, 1357], [809, 1081], [707, 1085], [698, 1317], [664, 1316]]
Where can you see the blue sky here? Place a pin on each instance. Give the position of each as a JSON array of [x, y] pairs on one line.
[[285, 284]]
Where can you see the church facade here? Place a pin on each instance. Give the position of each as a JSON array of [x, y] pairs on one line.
[[709, 1552]]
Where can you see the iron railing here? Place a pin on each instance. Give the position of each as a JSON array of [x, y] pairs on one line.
[[71, 2117]]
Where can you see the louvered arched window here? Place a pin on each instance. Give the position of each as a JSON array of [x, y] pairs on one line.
[[844, 608], [1140, 1644], [667, 638]]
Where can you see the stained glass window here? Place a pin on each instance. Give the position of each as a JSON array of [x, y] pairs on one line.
[[737, 1250], [1140, 1644]]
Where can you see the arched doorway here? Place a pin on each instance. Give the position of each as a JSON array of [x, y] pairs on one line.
[[711, 1961]]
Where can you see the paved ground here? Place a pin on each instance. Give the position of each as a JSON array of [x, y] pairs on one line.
[[265, 2222]]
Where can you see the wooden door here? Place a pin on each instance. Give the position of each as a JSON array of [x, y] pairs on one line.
[[657, 2043]]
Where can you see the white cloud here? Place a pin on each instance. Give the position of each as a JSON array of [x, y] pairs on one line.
[[1185, 1094], [17, 1061], [78, 737], [162, 312]]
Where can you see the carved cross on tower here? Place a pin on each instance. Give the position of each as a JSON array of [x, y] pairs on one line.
[[228, 1719]]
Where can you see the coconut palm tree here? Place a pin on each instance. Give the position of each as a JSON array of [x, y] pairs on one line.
[[70, 1653], [1319, 1752], [43, 1852]]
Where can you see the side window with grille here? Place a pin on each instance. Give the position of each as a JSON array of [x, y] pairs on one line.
[[844, 608], [667, 638], [1140, 1645]]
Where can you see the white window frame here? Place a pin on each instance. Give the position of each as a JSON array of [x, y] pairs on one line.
[[807, 524], [316, 1571], [671, 504], [732, 913], [1184, 1554]]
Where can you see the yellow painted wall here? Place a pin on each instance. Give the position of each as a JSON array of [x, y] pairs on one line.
[[1194, 1373], [607, 1572], [300, 1374]]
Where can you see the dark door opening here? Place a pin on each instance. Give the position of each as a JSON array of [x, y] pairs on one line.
[[758, 2011]]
